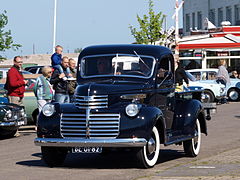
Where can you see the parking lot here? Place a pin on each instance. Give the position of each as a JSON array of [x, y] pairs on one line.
[[219, 157]]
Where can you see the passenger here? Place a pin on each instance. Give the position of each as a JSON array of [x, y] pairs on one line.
[[73, 83], [15, 84], [56, 60], [234, 75], [43, 89], [222, 74], [180, 75], [59, 84]]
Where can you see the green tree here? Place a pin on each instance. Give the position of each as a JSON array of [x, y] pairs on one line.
[[78, 50], [6, 40], [150, 27]]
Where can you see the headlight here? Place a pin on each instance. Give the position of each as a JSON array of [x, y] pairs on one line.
[[48, 110], [9, 114], [22, 112], [132, 109]]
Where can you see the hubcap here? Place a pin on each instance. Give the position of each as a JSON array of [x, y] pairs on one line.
[[151, 146], [233, 95]]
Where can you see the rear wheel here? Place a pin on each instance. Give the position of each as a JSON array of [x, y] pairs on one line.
[[148, 155], [192, 146], [233, 95], [54, 156]]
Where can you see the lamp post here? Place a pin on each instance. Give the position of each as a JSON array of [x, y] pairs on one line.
[[54, 25]]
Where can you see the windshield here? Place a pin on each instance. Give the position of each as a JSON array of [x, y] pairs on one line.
[[190, 76], [117, 65]]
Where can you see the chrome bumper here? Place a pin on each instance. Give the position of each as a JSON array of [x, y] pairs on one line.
[[67, 142], [15, 123]]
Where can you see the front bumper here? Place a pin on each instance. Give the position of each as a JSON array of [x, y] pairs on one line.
[[14, 123], [67, 142]]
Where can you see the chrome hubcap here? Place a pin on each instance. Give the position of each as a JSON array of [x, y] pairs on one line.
[[233, 95], [151, 145]]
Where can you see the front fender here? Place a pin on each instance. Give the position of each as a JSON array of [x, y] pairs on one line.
[[141, 125]]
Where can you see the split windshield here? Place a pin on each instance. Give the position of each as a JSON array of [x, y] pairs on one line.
[[117, 65]]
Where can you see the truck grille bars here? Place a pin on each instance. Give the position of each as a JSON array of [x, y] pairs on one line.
[[88, 124], [91, 102]]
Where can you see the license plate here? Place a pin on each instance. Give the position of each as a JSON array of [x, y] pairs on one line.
[[86, 150], [19, 123]]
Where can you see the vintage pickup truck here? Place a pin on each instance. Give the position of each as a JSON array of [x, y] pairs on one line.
[[125, 99]]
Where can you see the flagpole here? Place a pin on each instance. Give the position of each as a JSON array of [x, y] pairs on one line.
[[54, 25], [176, 32]]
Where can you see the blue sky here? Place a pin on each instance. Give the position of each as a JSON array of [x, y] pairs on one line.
[[80, 23]]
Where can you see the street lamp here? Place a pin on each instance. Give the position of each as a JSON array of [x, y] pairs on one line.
[[54, 25]]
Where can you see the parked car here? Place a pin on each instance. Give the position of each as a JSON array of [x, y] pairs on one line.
[[3, 72], [209, 75], [127, 104], [29, 101], [12, 117], [213, 91], [34, 69]]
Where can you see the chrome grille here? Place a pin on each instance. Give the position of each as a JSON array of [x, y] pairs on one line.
[[90, 125], [91, 102]]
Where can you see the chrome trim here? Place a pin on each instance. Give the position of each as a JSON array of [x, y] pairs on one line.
[[91, 102], [90, 125], [68, 142]]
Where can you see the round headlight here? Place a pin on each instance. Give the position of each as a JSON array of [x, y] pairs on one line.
[[48, 110], [132, 110], [9, 114], [22, 112]]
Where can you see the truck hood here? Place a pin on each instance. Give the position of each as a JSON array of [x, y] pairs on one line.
[[111, 87]]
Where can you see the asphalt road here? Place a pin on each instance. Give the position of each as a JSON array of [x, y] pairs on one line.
[[219, 157]]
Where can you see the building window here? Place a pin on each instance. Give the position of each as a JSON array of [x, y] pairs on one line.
[[212, 16], [199, 18], [187, 22], [237, 14], [229, 14], [193, 20], [220, 16]]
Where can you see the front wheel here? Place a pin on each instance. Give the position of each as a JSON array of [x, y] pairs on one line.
[[148, 155], [209, 96], [53, 156], [192, 146]]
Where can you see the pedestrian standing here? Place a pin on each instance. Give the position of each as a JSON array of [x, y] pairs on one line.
[[60, 84], [15, 84], [180, 75], [72, 82], [43, 89]]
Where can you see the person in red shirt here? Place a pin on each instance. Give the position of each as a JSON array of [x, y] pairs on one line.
[[15, 82]]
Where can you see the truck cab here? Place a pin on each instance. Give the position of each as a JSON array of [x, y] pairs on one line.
[[125, 99]]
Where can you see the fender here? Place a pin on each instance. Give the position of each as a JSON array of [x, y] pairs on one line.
[[186, 114], [142, 124]]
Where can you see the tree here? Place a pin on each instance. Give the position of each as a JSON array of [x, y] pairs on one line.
[[6, 40], [150, 27], [78, 50]]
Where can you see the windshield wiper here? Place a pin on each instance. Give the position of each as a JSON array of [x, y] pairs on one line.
[[141, 60]]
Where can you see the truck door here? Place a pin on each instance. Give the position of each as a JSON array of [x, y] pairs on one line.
[[165, 89]]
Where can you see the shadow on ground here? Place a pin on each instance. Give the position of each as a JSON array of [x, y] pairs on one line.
[[113, 160]]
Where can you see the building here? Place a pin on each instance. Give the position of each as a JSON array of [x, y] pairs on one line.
[[196, 11], [205, 50]]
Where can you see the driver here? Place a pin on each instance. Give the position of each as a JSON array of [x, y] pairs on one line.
[[103, 66]]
